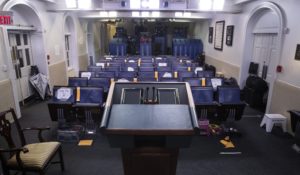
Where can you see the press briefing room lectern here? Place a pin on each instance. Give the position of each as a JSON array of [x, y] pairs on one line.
[[149, 121]]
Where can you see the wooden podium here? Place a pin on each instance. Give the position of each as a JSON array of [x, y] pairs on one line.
[[149, 124]]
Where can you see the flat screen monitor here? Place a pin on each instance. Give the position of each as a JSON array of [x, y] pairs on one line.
[[168, 96], [131, 96]]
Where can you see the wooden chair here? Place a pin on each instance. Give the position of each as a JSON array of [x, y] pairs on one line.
[[29, 157]]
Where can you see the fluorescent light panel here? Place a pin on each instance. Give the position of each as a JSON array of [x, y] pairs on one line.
[[112, 14], [84, 4], [205, 5], [187, 14], [71, 4], [155, 14], [145, 14], [135, 14], [103, 14], [178, 14]]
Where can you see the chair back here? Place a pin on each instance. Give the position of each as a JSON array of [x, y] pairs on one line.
[[126, 75], [91, 95], [78, 81], [94, 68], [229, 94], [206, 74], [185, 74], [150, 74], [147, 69], [100, 83], [6, 128], [203, 95], [63, 94], [193, 81], [106, 74]]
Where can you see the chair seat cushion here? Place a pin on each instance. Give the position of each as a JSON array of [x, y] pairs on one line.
[[38, 155]]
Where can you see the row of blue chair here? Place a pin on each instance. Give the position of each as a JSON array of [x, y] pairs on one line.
[[162, 73], [187, 47], [226, 103], [69, 102]]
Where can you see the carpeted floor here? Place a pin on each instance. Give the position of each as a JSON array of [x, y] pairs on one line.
[[262, 153]]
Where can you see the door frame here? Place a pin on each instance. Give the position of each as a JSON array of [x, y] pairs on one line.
[[255, 14], [11, 73]]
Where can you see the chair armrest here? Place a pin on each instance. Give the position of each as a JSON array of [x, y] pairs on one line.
[[23, 149], [17, 152], [40, 130]]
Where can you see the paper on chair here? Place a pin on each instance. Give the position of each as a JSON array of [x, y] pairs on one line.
[[167, 75], [198, 69], [130, 69], [63, 93], [162, 64], [100, 65], [215, 82], [86, 74]]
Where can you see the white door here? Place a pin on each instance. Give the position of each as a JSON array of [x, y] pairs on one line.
[[20, 48], [90, 48], [264, 51]]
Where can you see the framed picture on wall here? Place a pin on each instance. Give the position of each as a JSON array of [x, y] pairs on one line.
[[297, 55], [229, 35], [219, 33], [210, 34]]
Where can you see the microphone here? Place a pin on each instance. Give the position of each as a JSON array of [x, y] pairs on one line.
[[147, 93], [153, 95]]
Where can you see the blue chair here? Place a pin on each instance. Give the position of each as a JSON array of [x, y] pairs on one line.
[[168, 80], [230, 103], [78, 81], [185, 74], [164, 69], [204, 102], [146, 69], [106, 74], [180, 68], [146, 64], [127, 75], [206, 74], [130, 68], [146, 79], [193, 81], [86, 74], [150, 74], [60, 106], [91, 99], [100, 83], [94, 68], [165, 74]]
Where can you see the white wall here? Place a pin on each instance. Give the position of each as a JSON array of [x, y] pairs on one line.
[[234, 54]]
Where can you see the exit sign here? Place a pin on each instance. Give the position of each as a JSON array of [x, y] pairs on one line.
[[6, 18]]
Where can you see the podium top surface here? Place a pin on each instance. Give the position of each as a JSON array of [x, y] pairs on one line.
[[135, 119]]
